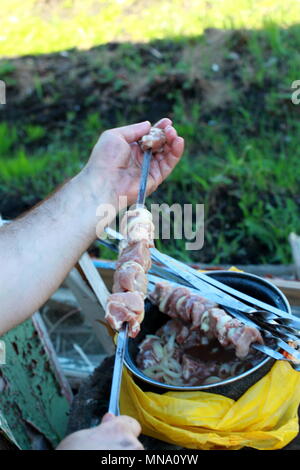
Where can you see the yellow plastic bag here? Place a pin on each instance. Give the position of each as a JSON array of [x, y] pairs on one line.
[[264, 418]]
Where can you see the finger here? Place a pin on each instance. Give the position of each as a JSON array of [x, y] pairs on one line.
[[131, 423], [133, 132], [171, 134], [163, 123], [107, 417], [172, 150], [177, 147], [156, 174], [171, 156]]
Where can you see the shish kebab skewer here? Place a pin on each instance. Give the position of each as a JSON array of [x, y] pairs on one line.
[[194, 310], [272, 327], [126, 304], [190, 306], [125, 307]]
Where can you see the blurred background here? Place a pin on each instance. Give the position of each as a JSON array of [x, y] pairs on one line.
[[221, 69]]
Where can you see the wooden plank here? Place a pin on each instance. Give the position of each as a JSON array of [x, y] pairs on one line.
[[91, 305], [276, 270], [280, 270], [295, 247], [290, 288], [95, 280], [47, 343]]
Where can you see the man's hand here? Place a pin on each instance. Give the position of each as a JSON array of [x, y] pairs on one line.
[[117, 157], [39, 249], [114, 433]]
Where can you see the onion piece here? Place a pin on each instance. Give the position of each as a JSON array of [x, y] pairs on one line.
[[212, 379]]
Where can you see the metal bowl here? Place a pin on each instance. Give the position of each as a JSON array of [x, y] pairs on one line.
[[233, 387]]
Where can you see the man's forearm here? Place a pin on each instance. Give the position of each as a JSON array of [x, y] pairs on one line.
[[38, 250]]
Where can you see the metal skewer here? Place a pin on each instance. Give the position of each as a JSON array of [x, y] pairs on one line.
[[123, 333]]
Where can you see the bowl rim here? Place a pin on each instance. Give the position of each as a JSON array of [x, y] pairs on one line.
[[140, 375]]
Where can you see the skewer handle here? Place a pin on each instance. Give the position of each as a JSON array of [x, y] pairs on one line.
[[118, 369]]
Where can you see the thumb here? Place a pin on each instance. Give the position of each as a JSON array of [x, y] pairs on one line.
[[133, 132]]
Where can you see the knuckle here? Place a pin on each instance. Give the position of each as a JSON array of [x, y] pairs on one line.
[[105, 133]]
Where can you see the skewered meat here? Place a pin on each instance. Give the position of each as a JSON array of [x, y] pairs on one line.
[[161, 294], [230, 331], [130, 276], [126, 304], [137, 225], [155, 140], [242, 337], [137, 252], [125, 307], [180, 302]]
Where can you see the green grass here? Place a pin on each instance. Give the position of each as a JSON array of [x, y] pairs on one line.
[[251, 197], [27, 176], [35, 27], [242, 157]]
